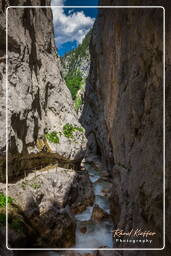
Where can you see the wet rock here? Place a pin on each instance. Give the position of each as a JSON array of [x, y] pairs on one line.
[[83, 191], [94, 160], [106, 192], [79, 208], [105, 174], [98, 214], [83, 229]]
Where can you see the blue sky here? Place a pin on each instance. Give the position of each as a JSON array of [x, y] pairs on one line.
[[72, 24]]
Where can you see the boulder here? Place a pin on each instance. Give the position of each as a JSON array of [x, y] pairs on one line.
[[41, 198], [98, 214]]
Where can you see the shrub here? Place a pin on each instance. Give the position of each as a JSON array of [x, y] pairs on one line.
[[52, 137], [69, 129], [3, 200], [78, 103], [74, 82], [36, 185], [17, 225], [80, 129]]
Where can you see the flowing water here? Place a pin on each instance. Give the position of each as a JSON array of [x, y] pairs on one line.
[[99, 234], [91, 234]]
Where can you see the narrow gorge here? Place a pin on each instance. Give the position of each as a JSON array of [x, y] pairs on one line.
[[84, 132]]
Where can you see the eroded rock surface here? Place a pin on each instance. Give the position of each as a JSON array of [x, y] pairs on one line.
[[38, 100], [39, 107], [123, 112], [43, 206]]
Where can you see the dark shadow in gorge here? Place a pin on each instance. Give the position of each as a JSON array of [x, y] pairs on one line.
[[20, 165], [53, 227], [123, 113]]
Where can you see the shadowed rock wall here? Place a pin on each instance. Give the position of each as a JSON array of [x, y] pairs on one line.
[[123, 114]]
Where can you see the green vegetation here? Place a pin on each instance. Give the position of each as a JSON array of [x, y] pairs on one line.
[[17, 224], [78, 102], [14, 223], [35, 185], [52, 137], [69, 129], [3, 200], [68, 132], [71, 62], [2, 218], [74, 82], [80, 51]]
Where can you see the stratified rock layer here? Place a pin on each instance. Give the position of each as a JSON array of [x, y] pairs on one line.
[[123, 113]]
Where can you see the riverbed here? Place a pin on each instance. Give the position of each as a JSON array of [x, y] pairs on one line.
[[91, 233]]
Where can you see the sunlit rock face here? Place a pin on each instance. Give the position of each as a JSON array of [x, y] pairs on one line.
[[75, 67], [123, 113], [38, 99], [78, 60], [44, 204]]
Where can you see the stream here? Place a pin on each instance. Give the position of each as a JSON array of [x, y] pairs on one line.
[[89, 232], [96, 234]]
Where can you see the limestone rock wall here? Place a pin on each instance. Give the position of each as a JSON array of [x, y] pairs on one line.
[[38, 99], [123, 115]]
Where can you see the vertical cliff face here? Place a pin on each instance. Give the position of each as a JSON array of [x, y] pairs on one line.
[[38, 100], [75, 68], [123, 113], [77, 60], [43, 129]]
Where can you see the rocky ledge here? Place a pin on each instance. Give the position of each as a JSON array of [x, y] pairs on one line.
[[42, 204]]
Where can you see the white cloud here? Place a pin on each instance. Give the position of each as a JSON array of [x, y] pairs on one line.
[[71, 27]]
